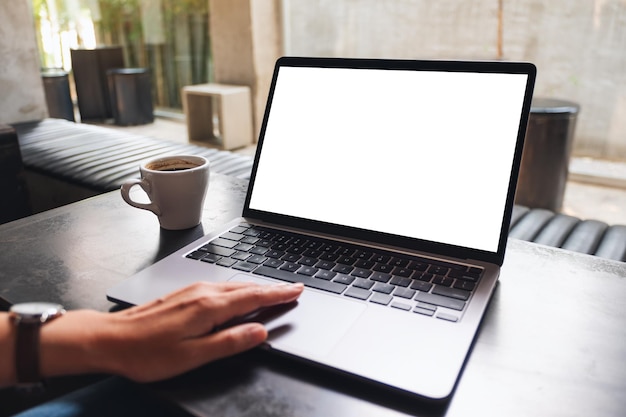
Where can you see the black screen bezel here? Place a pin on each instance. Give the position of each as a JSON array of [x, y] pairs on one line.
[[411, 244]]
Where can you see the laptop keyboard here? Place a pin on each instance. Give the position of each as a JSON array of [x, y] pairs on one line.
[[420, 285]]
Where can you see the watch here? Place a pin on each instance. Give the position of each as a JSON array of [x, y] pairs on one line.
[[28, 319]]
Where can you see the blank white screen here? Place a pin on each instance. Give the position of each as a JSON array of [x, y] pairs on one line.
[[412, 153]]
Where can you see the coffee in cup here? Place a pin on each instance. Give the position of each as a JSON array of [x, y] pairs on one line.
[[176, 187]]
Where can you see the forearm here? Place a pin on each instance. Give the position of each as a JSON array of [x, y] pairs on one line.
[[67, 345]]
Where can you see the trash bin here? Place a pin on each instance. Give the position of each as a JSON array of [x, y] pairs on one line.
[[130, 90], [89, 67], [57, 91], [547, 148]]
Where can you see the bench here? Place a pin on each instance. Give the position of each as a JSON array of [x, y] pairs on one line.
[[65, 161]]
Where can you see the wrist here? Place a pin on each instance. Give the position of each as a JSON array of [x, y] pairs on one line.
[[7, 347], [70, 346], [28, 319]]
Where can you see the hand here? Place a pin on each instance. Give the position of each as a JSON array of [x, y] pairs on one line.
[[162, 338]]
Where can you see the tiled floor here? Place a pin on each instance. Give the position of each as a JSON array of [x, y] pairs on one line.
[[596, 190]]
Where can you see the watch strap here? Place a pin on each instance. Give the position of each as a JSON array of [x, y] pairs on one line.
[[27, 353]]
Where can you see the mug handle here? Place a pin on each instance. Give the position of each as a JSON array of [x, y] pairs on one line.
[[125, 190]]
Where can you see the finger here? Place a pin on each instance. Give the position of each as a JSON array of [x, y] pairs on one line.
[[231, 341], [248, 299], [204, 288]]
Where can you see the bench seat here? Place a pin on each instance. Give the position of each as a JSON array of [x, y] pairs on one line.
[[101, 159], [559, 230]]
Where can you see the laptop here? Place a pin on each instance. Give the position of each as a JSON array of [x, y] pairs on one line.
[[387, 187]]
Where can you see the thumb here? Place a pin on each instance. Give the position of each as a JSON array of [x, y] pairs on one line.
[[233, 340]]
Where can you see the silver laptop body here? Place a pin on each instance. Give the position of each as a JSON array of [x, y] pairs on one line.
[[414, 160]]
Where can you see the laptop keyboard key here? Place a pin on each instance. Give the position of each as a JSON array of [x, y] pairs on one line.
[[402, 272], [272, 253], [244, 266], [380, 277], [227, 262], [232, 236], [447, 317], [438, 270], [244, 247], [359, 293], [451, 292], [401, 306], [421, 286], [241, 256], [363, 283], [383, 259], [325, 265], [258, 250], [211, 258], [440, 300], [307, 270], [289, 267], [218, 250], [383, 288], [423, 311], [383, 268], [361, 272], [273, 263], [290, 257], [250, 239], [198, 254], [344, 279], [346, 260], [399, 262], [282, 275], [379, 298], [400, 281], [324, 274], [464, 285], [441, 280], [238, 229], [329, 256], [257, 259], [362, 263], [404, 293], [307, 261], [343, 269], [224, 243]]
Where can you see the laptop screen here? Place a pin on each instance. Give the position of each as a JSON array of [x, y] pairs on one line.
[[424, 154]]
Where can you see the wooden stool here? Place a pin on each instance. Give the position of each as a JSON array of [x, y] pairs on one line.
[[232, 106]]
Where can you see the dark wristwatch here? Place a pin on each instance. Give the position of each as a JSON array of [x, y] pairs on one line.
[[28, 319]]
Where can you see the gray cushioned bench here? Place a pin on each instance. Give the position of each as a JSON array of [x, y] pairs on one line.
[[98, 159], [101, 159], [559, 230], [65, 162]]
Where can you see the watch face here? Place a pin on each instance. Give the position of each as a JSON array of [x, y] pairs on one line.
[[37, 310]]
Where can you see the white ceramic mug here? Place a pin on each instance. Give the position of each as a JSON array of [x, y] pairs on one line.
[[176, 186]]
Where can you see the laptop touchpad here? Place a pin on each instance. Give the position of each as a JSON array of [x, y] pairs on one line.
[[315, 324]]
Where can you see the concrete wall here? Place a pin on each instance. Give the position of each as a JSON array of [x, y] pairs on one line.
[[246, 40], [21, 89], [579, 47]]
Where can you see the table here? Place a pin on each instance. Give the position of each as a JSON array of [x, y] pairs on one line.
[[552, 343], [232, 104]]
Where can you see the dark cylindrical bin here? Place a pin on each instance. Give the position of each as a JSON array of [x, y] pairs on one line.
[[130, 90], [56, 87], [547, 148]]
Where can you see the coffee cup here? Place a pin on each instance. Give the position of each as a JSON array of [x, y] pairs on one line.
[[176, 187]]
